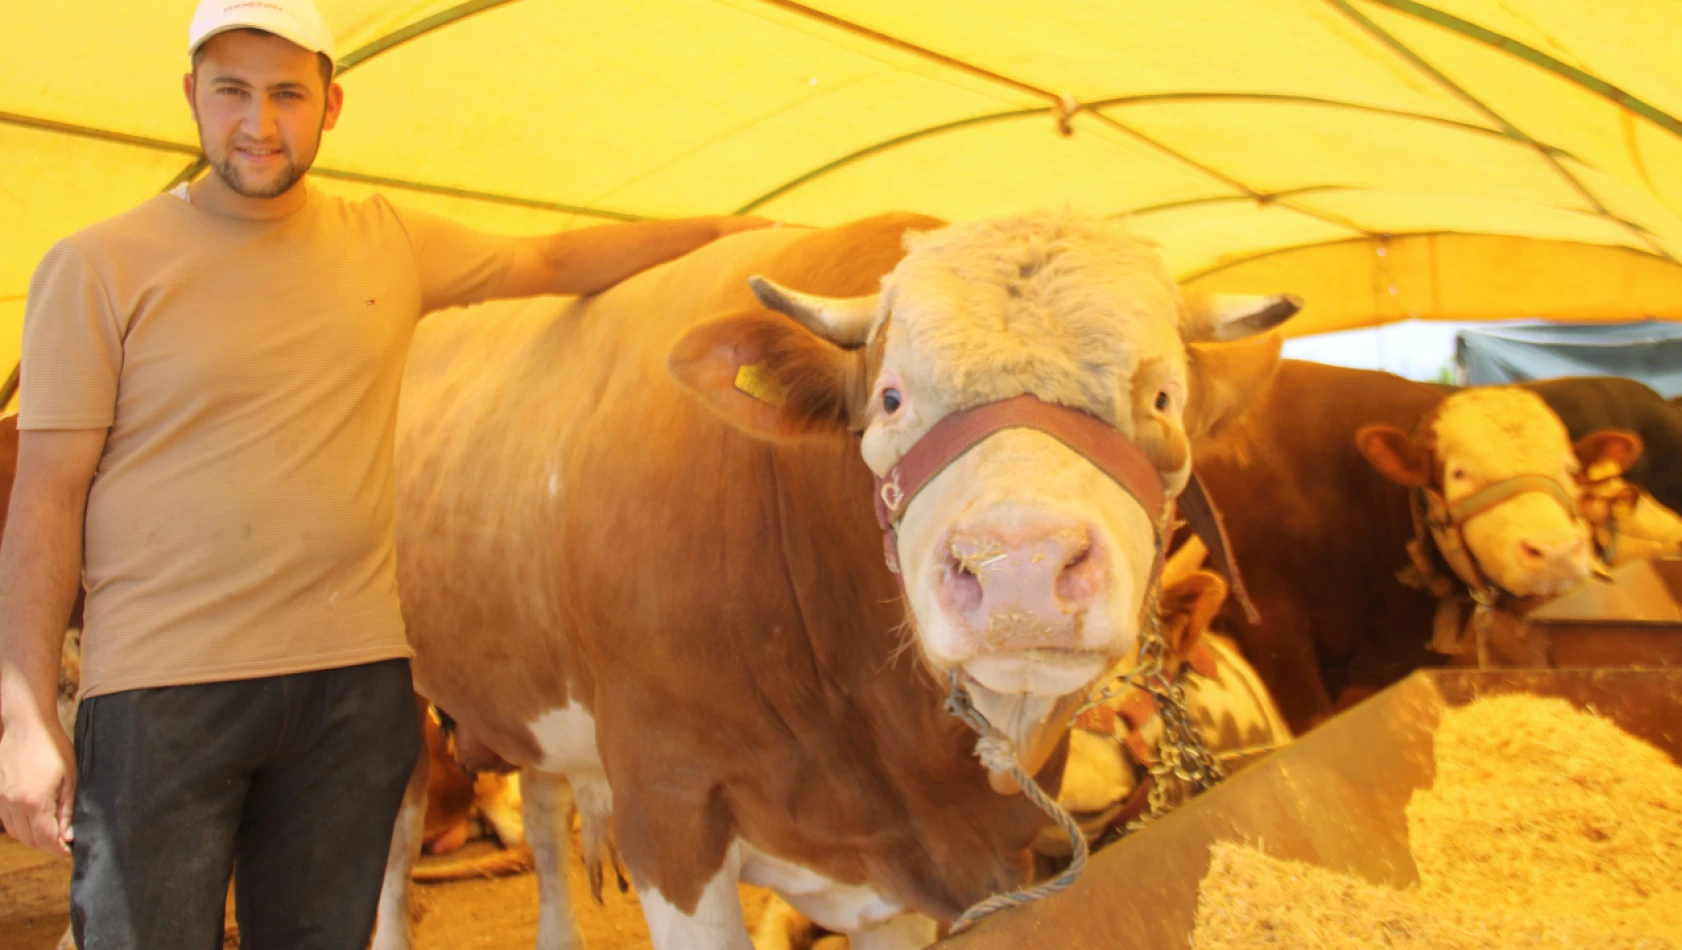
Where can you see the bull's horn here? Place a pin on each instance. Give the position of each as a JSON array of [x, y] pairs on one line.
[[1225, 317], [844, 321]]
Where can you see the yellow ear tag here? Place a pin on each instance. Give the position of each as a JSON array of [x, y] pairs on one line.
[[752, 379]]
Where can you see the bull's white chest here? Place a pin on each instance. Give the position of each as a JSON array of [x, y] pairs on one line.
[[566, 735], [846, 908], [871, 920]]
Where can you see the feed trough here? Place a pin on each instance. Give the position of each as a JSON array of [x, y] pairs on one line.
[[1335, 798], [1631, 619]]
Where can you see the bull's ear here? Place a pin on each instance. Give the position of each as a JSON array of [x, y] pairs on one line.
[[1395, 455], [767, 375], [1226, 378], [1188, 607], [1226, 317], [1609, 445]]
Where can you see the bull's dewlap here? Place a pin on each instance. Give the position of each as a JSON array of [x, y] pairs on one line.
[[1545, 827]]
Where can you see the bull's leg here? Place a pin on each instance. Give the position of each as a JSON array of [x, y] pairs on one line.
[[905, 932], [716, 923], [393, 928], [546, 802], [593, 798]]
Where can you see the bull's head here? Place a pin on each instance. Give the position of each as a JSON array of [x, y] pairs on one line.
[[1026, 567], [1504, 480]]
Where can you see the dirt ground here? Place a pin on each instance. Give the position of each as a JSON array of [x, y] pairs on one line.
[[502, 912], [458, 915]]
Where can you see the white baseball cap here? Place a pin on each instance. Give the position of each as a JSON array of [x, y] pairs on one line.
[[295, 20]]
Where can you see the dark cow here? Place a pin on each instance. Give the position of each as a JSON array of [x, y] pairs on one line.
[[1590, 403]]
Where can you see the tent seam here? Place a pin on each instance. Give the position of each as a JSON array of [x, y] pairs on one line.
[[1259, 197], [1235, 262], [1536, 57], [1418, 62], [1115, 102], [882, 146], [879, 37], [756, 123], [164, 145], [907, 46]]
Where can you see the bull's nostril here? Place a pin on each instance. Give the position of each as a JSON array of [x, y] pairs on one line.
[[1079, 558], [960, 588], [1082, 576]]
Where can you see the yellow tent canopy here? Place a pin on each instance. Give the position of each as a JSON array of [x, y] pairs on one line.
[[1385, 159]]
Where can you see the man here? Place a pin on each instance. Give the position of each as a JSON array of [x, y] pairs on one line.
[[210, 405]]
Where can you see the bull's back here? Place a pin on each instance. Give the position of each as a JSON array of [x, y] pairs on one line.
[[527, 429], [564, 504], [573, 527]]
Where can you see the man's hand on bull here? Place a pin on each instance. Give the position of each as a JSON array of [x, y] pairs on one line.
[[37, 781], [590, 260], [734, 223]]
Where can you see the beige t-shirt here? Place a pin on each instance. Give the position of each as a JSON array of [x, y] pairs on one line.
[[240, 521]]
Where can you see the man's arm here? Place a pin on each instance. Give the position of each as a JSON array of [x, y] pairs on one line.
[[591, 260], [40, 572]]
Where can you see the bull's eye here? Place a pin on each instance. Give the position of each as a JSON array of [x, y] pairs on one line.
[[890, 401], [1162, 401]]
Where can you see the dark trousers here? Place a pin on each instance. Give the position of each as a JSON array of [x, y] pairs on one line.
[[293, 782]]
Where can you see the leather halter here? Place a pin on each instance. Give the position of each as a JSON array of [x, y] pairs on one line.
[[1435, 520], [1101, 444], [1447, 523], [1098, 442]]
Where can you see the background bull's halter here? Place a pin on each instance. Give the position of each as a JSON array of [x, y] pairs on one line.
[[1446, 524], [1124, 462]]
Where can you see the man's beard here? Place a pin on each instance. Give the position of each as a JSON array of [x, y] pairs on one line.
[[230, 175], [289, 175]]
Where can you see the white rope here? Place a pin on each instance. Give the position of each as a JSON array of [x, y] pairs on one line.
[[997, 754]]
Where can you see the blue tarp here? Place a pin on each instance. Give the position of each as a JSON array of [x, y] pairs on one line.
[[1649, 352]]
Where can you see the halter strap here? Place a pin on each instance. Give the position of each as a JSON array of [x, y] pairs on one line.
[[1098, 442], [1088, 436]]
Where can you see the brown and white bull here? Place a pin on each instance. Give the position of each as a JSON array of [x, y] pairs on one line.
[[638, 554], [1331, 459], [1502, 484]]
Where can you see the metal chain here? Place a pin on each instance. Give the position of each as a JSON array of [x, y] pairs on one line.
[[1182, 754], [1183, 763], [1183, 759]]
